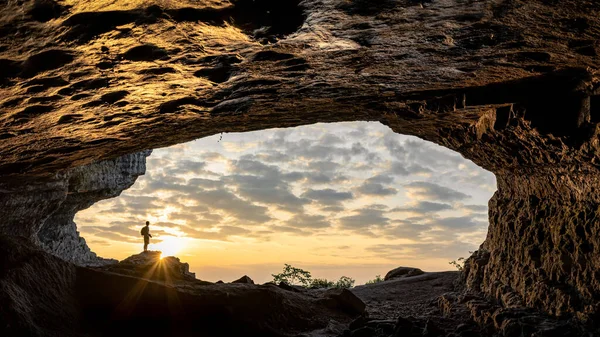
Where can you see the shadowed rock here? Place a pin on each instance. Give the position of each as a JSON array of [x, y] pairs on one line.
[[145, 52], [114, 301], [153, 266], [244, 279], [402, 272]]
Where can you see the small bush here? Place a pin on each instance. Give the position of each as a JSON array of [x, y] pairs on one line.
[[377, 279], [321, 283], [458, 263], [344, 282], [293, 276]]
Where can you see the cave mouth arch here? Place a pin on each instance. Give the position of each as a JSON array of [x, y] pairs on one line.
[[318, 196]]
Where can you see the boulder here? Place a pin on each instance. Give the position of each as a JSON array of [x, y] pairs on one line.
[[244, 279], [288, 287], [151, 265], [402, 272], [344, 300]]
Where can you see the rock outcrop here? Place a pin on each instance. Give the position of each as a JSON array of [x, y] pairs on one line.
[[512, 85], [43, 295], [43, 211], [546, 228], [153, 266], [244, 279], [37, 291], [402, 272]]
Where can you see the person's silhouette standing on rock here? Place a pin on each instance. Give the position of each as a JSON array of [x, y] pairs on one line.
[[146, 234]]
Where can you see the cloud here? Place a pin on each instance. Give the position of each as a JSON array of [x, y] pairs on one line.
[[213, 156], [332, 139], [423, 207], [475, 208], [406, 230], [449, 250], [393, 146], [245, 165], [226, 201], [399, 169], [333, 209], [267, 190], [289, 229], [221, 233], [431, 191], [187, 167], [273, 156], [375, 186], [458, 223], [418, 169], [323, 166], [327, 196], [364, 218], [308, 221]]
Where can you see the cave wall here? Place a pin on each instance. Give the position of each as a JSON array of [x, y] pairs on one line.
[[42, 211], [542, 248]]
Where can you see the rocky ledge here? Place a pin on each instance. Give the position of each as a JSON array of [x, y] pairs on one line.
[[43, 295], [147, 295], [153, 266]]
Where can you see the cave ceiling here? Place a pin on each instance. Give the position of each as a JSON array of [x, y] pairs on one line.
[[509, 84]]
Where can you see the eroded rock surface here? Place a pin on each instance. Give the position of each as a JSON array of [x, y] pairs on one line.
[[152, 265], [548, 230], [42, 295], [81, 86], [402, 272], [43, 211], [511, 84]]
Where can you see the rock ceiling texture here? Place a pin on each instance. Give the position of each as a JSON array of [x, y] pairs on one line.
[[511, 84]]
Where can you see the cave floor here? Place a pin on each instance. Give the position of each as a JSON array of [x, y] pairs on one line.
[[414, 296]]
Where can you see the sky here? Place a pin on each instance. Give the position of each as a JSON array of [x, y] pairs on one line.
[[342, 199]]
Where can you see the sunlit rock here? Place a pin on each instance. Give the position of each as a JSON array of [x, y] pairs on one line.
[[152, 265]]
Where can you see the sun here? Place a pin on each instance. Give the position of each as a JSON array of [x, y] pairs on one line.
[[170, 246]]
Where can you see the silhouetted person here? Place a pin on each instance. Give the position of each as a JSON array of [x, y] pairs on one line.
[[146, 234]]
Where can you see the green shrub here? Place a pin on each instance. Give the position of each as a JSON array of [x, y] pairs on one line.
[[293, 276], [296, 276], [344, 282], [321, 283], [377, 279], [459, 263]]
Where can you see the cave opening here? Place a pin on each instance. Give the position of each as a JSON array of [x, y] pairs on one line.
[[339, 199]]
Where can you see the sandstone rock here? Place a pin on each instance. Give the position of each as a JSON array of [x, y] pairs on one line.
[[244, 279], [401, 272], [358, 322], [511, 89], [151, 265], [46, 296], [288, 287], [364, 332], [44, 212], [145, 52], [345, 300], [37, 296]]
